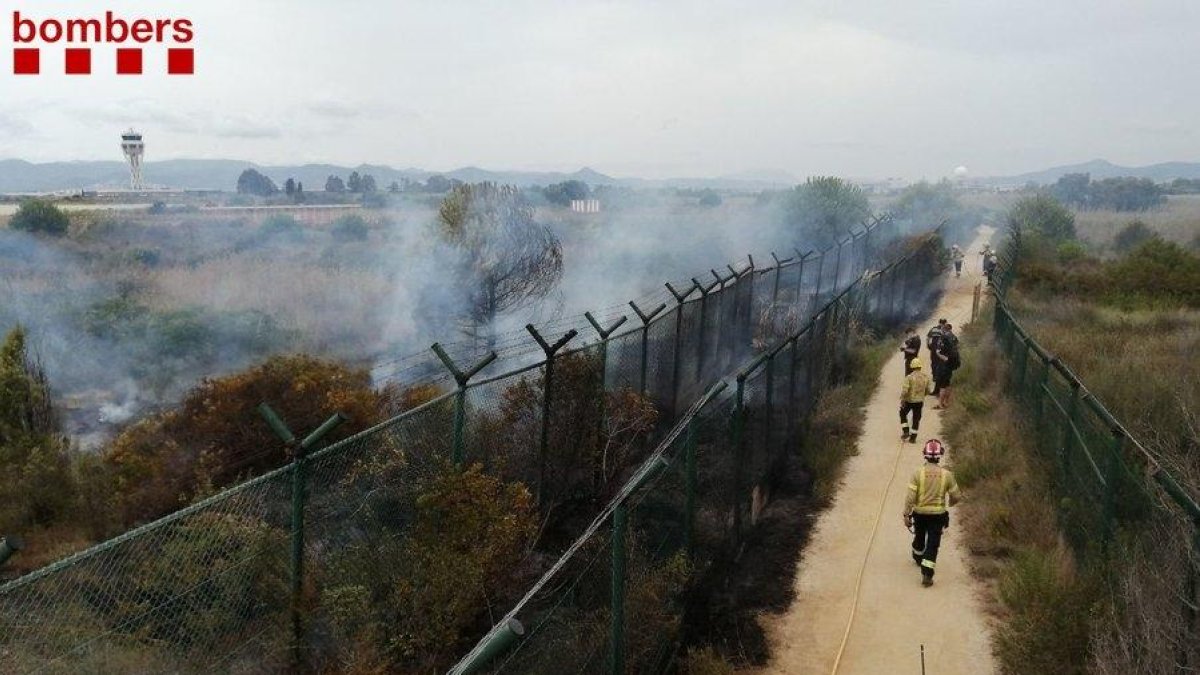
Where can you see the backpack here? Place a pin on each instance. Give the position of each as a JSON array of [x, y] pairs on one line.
[[952, 354]]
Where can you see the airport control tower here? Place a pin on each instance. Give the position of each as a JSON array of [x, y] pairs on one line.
[[133, 147]]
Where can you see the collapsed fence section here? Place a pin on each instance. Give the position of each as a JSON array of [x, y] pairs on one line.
[[386, 550], [616, 600], [1123, 514]]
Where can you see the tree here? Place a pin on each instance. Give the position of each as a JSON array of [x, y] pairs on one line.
[[438, 184], [824, 210], [503, 257], [709, 198], [252, 182], [393, 187], [563, 193], [368, 183], [1044, 216], [1073, 189], [354, 182], [40, 217], [1132, 235], [924, 205], [334, 184], [38, 488], [289, 187]]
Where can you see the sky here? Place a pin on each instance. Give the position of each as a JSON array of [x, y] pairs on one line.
[[858, 88]]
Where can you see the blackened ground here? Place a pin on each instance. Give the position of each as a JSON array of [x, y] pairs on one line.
[[722, 609]]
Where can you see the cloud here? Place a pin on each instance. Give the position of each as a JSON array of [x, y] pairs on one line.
[[334, 109]]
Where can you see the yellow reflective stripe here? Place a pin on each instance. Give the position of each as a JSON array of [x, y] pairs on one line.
[[928, 563]]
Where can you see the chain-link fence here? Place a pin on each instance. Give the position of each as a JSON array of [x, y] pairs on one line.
[[394, 549], [1122, 513], [616, 600]]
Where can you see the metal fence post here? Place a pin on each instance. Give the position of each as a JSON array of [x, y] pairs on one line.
[[457, 453], [705, 291], [299, 450], [617, 646], [737, 444], [778, 273], [543, 448], [800, 279], [646, 319], [677, 359], [820, 281], [837, 268], [602, 403]]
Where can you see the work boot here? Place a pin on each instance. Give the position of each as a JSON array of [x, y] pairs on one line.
[[927, 580], [912, 438]]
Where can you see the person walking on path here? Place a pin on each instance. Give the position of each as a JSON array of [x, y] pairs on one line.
[[948, 360], [931, 492], [912, 399], [989, 265], [911, 348], [957, 256], [933, 340]]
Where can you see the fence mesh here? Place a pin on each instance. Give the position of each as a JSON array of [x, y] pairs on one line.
[[1121, 512], [396, 550]]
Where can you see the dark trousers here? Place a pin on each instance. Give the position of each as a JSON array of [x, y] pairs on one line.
[[916, 409], [927, 538]]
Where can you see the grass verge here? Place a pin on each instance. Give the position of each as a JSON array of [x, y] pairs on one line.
[[1041, 600]]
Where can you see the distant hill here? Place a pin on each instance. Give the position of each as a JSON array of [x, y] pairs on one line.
[[222, 174], [1100, 168]]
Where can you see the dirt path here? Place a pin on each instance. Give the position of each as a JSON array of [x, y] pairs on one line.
[[895, 615]]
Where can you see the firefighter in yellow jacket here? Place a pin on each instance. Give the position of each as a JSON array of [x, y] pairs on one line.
[[930, 492], [912, 399]]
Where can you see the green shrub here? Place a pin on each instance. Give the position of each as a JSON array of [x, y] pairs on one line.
[[280, 225], [350, 228], [1071, 252], [1048, 629], [1132, 235], [40, 217], [1045, 216]]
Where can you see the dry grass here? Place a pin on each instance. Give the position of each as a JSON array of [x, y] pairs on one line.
[[327, 305], [1034, 588], [1141, 364], [1178, 221]]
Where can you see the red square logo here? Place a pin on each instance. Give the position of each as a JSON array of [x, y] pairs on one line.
[[26, 61], [180, 61], [79, 61], [129, 61]]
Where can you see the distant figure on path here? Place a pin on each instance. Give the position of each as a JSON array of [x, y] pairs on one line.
[[912, 399], [957, 256], [931, 492], [989, 265], [911, 348]]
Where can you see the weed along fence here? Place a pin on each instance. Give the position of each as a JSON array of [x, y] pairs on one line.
[[395, 549], [1123, 513]]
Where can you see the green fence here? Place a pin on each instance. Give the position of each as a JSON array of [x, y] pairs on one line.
[[1119, 509], [616, 600], [382, 553]]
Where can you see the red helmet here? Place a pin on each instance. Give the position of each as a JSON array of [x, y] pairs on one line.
[[933, 450]]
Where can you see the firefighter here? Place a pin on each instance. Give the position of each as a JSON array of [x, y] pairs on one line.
[[957, 256], [912, 399], [931, 492], [911, 348]]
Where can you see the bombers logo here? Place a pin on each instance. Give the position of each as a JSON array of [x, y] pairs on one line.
[[77, 35]]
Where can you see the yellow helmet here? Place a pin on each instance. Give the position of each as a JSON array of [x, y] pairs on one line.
[[915, 363]]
